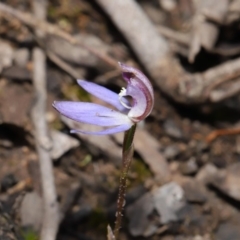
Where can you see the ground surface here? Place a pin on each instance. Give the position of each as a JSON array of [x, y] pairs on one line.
[[203, 161]]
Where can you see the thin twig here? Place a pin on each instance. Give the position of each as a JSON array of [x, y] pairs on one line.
[[50, 219], [48, 28], [222, 132], [58, 61], [63, 65]]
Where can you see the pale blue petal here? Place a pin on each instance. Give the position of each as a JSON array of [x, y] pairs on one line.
[[104, 94], [91, 113], [107, 131]]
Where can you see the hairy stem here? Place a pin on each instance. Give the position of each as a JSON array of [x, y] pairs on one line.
[[126, 162]]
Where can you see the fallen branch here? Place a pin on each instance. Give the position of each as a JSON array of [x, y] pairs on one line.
[[138, 30], [50, 219]]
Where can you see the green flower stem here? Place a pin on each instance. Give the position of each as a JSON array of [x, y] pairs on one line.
[[127, 155]]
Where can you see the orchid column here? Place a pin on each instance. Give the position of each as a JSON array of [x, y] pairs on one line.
[[124, 116]]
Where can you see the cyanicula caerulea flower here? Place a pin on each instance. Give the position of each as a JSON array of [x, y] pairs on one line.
[[125, 113]]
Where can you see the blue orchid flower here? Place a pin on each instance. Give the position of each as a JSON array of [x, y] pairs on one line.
[[124, 114]]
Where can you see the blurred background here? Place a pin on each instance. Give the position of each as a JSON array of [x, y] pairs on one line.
[[184, 181]]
